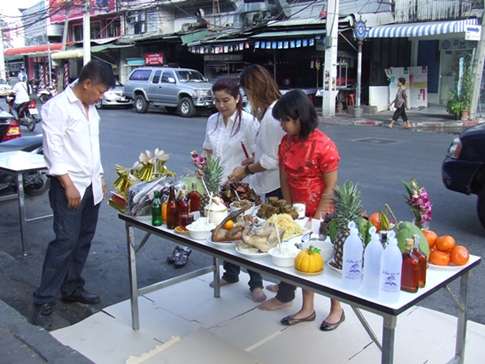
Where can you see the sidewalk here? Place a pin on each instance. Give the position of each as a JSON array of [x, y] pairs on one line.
[[432, 118]]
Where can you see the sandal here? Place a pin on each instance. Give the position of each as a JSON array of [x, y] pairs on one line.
[[175, 255], [326, 326], [389, 126], [183, 257]]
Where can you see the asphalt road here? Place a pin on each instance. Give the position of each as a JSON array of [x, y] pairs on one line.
[[378, 158]]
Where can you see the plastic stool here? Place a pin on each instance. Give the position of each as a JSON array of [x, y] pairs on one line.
[[350, 99]]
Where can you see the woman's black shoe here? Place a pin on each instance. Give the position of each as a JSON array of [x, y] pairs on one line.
[[181, 260]]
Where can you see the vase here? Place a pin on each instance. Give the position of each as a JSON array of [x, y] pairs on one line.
[[424, 225]]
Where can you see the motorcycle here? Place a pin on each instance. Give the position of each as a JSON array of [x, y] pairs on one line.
[[45, 94], [28, 115], [35, 182]]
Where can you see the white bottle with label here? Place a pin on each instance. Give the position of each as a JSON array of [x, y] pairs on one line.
[[352, 260], [372, 266], [391, 266]]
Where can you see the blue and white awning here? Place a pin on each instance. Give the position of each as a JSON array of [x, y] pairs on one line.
[[420, 29]]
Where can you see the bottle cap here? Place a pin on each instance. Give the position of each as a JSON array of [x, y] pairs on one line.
[[373, 235], [353, 228], [409, 244], [391, 235]]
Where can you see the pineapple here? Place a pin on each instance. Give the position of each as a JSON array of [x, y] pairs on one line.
[[213, 171], [348, 207]]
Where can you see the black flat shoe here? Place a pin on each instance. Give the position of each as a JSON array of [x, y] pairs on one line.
[[183, 257], [325, 326], [290, 320], [43, 315], [82, 296], [175, 254]]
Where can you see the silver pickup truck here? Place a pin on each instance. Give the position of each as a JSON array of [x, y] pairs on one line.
[[177, 89]]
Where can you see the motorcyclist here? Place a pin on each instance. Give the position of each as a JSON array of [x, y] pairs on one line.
[[21, 93]]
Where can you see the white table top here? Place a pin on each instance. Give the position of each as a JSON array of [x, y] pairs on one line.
[[20, 161], [330, 280]]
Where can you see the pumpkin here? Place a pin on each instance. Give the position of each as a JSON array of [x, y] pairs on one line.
[[309, 260]]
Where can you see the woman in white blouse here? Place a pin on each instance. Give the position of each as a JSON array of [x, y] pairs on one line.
[[225, 132]]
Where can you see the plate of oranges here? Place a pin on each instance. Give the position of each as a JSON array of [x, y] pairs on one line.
[[444, 252]]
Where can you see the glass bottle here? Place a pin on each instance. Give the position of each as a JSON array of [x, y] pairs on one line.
[[194, 198], [172, 214], [156, 209], [423, 260], [410, 269], [391, 266]]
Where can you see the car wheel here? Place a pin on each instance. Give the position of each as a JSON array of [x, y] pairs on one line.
[[170, 109], [481, 206], [31, 124], [186, 107], [141, 105], [44, 98]]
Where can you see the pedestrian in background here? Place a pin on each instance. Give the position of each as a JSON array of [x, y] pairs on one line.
[[401, 104], [70, 126]]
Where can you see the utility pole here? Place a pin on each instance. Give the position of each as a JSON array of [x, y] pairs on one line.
[[2, 57], [330, 65], [86, 33], [477, 70]]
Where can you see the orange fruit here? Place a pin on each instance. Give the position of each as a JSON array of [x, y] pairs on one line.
[[375, 220], [229, 224], [431, 236], [459, 255], [439, 258], [164, 212], [445, 242]]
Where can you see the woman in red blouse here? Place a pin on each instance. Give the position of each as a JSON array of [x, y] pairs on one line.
[[308, 162]]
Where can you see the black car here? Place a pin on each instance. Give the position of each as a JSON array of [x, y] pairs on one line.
[[463, 169], [9, 127]]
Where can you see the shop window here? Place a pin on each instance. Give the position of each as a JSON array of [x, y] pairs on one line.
[[96, 30], [77, 31], [113, 29]]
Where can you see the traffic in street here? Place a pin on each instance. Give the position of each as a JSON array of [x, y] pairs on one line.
[[379, 159]]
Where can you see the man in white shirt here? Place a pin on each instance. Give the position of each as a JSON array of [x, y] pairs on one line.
[[71, 149], [21, 94]]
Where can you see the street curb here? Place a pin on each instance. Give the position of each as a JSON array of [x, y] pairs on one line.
[[36, 338], [434, 125]]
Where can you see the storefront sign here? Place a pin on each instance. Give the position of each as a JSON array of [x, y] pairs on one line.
[[154, 59], [473, 32], [135, 61], [456, 44]]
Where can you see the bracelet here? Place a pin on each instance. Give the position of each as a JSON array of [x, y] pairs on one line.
[[246, 169]]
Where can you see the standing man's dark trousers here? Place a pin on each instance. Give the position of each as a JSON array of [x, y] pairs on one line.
[[66, 255]]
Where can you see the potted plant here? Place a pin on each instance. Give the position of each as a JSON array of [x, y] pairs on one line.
[[459, 102]]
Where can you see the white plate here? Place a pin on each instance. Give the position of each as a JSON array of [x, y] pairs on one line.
[[251, 255], [450, 266], [227, 244], [331, 260]]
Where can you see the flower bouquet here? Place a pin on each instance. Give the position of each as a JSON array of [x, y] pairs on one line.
[[418, 199]]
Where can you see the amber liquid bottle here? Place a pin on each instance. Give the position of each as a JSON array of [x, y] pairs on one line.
[[194, 199], [423, 260], [172, 214], [410, 269], [182, 209]]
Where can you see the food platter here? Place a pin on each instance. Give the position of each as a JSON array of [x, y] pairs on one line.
[[252, 255], [450, 266], [329, 263], [222, 244]]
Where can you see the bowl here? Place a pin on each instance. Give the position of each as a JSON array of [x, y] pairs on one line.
[[326, 249], [284, 261], [198, 234], [216, 216], [234, 207]]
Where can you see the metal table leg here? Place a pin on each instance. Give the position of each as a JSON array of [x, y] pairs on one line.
[[23, 220], [217, 278], [462, 320], [388, 330], [130, 235]]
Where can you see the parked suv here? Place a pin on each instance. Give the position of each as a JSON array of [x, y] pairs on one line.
[[463, 169], [177, 89]]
